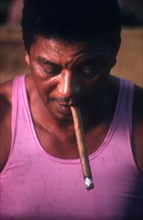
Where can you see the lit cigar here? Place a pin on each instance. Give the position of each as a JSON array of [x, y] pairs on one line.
[[81, 143]]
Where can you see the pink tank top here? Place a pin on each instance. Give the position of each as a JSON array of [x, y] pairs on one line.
[[36, 185]]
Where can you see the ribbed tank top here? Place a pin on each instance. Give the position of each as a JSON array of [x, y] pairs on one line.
[[36, 185]]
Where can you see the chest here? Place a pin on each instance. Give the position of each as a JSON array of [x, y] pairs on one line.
[[64, 145], [35, 183], [55, 189]]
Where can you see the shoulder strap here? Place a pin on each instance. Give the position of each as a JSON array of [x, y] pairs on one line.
[[17, 85], [127, 93]]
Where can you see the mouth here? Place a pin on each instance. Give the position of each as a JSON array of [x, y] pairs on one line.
[[63, 106], [64, 109]]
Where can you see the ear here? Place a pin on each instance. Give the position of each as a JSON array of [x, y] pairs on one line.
[[27, 59]]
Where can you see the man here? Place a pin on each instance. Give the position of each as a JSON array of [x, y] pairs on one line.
[[70, 48]]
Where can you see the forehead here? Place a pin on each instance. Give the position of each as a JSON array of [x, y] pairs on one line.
[[58, 51]]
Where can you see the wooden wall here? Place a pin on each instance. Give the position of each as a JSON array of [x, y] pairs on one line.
[[130, 57]]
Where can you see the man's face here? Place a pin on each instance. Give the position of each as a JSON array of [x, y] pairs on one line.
[[67, 74]]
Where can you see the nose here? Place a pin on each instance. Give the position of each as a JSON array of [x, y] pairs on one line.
[[68, 85]]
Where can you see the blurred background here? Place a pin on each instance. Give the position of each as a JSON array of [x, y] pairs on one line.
[[129, 60]]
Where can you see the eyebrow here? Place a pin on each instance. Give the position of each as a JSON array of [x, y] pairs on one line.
[[78, 62], [45, 61], [91, 59]]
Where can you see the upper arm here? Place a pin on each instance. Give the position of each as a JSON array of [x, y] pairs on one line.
[[138, 127], [5, 122]]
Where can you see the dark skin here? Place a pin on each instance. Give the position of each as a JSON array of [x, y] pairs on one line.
[[64, 74]]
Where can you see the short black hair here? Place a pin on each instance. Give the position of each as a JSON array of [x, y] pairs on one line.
[[71, 20]]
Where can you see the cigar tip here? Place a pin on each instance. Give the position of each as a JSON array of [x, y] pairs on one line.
[[88, 183]]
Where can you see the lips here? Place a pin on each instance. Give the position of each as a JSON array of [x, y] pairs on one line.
[[64, 109]]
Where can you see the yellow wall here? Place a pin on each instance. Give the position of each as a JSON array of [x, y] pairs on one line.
[[130, 57]]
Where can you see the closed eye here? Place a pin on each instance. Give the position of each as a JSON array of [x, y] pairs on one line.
[[48, 66], [94, 66], [99, 66], [88, 70], [52, 70]]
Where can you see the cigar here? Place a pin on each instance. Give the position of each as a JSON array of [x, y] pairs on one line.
[[81, 143]]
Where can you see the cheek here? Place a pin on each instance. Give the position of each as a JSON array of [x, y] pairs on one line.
[[42, 88], [97, 81], [88, 84], [37, 73], [92, 87], [46, 87]]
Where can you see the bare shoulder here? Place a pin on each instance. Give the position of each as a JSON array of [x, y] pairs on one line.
[[6, 89], [5, 121], [138, 126], [5, 98], [138, 106]]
